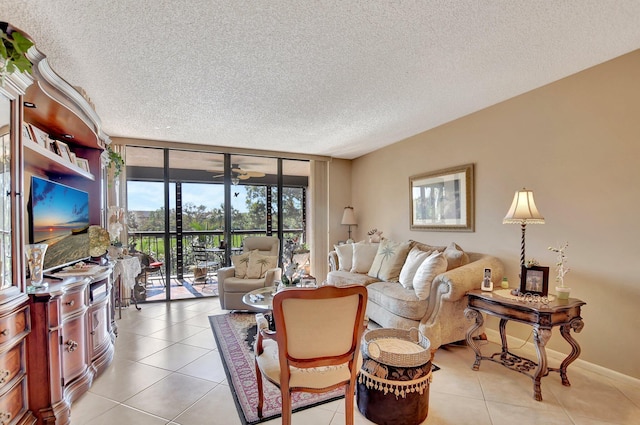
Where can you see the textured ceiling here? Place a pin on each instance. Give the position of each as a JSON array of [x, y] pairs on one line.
[[338, 78]]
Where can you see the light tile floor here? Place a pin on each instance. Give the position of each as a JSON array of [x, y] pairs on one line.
[[167, 370]]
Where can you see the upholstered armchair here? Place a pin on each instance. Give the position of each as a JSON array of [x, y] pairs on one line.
[[235, 281]]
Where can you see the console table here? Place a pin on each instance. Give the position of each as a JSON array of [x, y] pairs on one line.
[[543, 317]]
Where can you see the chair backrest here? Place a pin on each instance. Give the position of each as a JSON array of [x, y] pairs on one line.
[[323, 325], [266, 245], [199, 252]]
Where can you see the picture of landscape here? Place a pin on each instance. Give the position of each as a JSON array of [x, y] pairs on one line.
[[60, 218]]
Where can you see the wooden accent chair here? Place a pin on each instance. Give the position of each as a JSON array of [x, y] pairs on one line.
[[316, 345]]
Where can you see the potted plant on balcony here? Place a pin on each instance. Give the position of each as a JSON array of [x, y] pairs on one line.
[[561, 270]]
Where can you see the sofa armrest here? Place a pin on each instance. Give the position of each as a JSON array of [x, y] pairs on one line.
[[271, 276], [463, 279], [333, 261]]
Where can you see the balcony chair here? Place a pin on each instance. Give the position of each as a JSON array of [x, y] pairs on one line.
[[205, 265], [316, 345], [232, 288], [150, 266]]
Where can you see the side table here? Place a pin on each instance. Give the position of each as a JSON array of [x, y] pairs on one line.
[[543, 317], [124, 273]]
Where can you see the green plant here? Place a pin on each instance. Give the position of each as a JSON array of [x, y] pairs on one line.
[[115, 160], [13, 51]]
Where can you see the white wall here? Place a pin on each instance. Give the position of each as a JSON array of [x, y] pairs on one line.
[[576, 143]]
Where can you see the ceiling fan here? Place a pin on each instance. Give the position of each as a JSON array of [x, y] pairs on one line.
[[238, 174]]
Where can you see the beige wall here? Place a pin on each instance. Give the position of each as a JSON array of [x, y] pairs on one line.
[[576, 144]]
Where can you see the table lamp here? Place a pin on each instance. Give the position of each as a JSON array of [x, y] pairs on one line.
[[523, 211], [349, 219]]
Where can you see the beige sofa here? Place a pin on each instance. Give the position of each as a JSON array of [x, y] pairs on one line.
[[440, 317]]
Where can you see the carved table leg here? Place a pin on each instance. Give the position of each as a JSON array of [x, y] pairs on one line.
[[565, 330], [503, 338], [472, 314], [541, 337]]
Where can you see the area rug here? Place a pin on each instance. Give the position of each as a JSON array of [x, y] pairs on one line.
[[235, 334]]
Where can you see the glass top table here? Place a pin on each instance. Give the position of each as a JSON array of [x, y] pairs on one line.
[[261, 298]]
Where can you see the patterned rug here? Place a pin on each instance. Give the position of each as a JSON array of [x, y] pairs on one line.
[[234, 334]]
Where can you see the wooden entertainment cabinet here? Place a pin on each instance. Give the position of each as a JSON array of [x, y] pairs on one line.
[[54, 340]]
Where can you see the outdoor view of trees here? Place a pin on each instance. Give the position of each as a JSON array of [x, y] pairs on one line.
[[201, 218]]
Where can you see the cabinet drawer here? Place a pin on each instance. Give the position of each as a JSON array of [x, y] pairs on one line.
[[11, 364], [72, 302], [14, 325], [13, 402]]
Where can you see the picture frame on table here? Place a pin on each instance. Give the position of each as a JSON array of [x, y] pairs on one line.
[[83, 164], [534, 280], [443, 200]]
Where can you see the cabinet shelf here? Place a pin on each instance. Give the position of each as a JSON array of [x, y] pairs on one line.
[[52, 162]]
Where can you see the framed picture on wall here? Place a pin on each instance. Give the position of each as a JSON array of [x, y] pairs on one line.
[[443, 200], [534, 280]]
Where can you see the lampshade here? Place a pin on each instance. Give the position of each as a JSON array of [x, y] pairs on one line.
[[348, 217], [235, 180], [523, 209]]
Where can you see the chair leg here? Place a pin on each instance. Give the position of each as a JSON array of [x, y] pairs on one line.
[[286, 405], [260, 394], [349, 405]]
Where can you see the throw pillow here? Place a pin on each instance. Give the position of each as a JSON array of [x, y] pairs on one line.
[[456, 257], [415, 257], [389, 260], [434, 265], [425, 247], [345, 256], [363, 255], [259, 264], [240, 263]]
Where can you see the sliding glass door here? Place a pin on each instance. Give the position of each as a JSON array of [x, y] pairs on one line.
[[181, 201]]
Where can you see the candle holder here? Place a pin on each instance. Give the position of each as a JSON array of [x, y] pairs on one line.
[[35, 261]]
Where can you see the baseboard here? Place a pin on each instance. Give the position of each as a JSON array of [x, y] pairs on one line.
[[494, 336]]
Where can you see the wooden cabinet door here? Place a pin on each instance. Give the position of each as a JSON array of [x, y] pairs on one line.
[[99, 328], [74, 349]]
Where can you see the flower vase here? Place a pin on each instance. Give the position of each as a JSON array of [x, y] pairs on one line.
[[35, 261], [563, 292]]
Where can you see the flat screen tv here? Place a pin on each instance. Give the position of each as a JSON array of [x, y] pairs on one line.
[[60, 218]]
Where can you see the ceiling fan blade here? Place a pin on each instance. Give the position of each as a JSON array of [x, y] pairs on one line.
[[244, 176], [254, 174]]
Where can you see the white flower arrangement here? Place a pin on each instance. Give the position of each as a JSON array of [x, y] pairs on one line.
[[561, 262]]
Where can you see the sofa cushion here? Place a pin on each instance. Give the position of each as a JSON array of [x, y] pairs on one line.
[[259, 264], [396, 299], [456, 257], [411, 264], [425, 247], [435, 264], [241, 263], [363, 255], [242, 285], [389, 260], [342, 278], [345, 256]]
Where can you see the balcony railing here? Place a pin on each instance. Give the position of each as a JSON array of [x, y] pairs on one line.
[[153, 244]]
